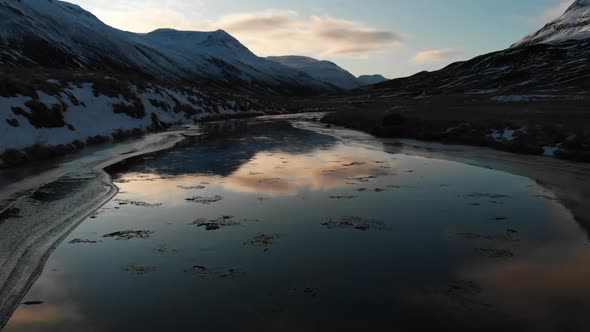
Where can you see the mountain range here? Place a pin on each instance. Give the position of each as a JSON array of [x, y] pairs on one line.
[[58, 34]]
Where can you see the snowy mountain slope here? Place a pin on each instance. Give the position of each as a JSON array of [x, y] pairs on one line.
[[58, 34], [325, 71], [371, 79], [61, 115], [573, 24], [540, 71]]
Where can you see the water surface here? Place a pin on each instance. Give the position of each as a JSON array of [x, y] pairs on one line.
[[261, 225]]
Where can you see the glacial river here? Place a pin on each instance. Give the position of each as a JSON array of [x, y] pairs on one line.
[[266, 225]]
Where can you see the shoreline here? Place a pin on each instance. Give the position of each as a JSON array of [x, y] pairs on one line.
[[521, 128], [51, 205], [568, 181]]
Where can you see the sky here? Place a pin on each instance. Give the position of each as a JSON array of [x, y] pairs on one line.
[[394, 38]]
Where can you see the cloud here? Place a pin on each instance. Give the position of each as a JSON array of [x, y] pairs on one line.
[[435, 56], [257, 22], [276, 32]]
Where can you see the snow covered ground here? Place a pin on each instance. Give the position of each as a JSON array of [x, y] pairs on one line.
[[574, 24], [506, 134], [79, 111]]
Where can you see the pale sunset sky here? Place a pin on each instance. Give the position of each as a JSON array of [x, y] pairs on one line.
[[390, 37]]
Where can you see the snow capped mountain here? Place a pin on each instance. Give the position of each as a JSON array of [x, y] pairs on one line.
[[371, 79], [325, 71], [573, 24], [58, 34]]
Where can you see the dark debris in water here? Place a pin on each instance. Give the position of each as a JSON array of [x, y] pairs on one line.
[[139, 269], [204, 200], [164, 249], [231, 274], [83, 241], [362, 178], [313, 292], [270, 180], [344, 197], [394, 186], [137, 203], [465, 294], [460, 289], [356, 163], [486, 195], [129, 234], [263, 241], [215, 224], [375, 190], [205, 273], [358, 223], [507, 237], [199, 270], [28, 303], [496, 253], [198, 187]]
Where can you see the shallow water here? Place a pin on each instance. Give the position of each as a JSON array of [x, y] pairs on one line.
[[260, 225]]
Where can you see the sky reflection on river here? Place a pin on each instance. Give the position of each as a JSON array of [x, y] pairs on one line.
[[261, 225]]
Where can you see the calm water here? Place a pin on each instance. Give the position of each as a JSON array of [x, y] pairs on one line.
[[259, 225]]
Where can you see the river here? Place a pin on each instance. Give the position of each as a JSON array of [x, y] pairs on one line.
[[277, 223]]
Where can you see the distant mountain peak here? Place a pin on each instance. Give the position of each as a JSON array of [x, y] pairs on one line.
[[371, 79], [574, 24], [321, 70]]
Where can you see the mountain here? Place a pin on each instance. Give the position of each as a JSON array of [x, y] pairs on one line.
[[574, 24], [325, 71], [549, 64], [371, 79], [57, 34], [540, 71]]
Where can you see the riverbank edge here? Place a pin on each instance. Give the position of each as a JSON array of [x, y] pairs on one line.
[[509, 135], [33, 255]]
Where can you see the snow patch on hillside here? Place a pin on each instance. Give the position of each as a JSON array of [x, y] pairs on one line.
[[573, 24], [87, 113]]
